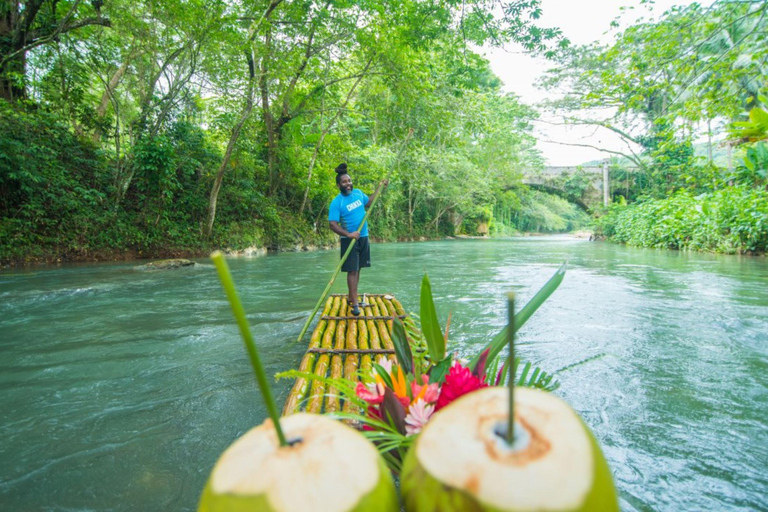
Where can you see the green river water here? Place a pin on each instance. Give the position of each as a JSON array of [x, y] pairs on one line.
[[121, 387]]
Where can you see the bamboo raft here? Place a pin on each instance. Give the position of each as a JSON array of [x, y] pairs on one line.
[[344, 344]]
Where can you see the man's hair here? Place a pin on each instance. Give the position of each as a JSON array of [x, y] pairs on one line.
[[341, 170]]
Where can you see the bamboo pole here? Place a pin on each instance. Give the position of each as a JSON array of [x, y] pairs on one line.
[[359, 351], [316, 397], [364, 294], [373, 332], [315, 403], [363, 343], [332, 395], [353, 317], [391, 313], [352, 244], [399, 307], [381, 326], [351, 361], [384, 326], [352, 335]]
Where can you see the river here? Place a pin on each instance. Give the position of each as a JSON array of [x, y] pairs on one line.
[[120, 387]]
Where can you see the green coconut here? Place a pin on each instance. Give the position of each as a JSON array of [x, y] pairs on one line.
[[328, 466], [462, 462]]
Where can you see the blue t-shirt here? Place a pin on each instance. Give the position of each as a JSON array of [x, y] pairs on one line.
[[349, 211]]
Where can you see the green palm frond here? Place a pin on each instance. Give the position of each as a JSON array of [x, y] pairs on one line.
[[579, 363], [538, 378], [345, 387], [391, 444], [526, 375]]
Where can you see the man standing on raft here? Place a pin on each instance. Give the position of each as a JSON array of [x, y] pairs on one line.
[[345, 213]]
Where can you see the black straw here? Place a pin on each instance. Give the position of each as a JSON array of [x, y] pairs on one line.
[[511, 367]]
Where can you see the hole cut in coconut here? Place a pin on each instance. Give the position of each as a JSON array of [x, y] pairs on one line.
[[521, 441], [294, 440]]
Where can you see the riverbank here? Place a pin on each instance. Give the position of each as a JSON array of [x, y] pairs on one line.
[[732, 220], [56, 257], [318, 243], [129, 255]]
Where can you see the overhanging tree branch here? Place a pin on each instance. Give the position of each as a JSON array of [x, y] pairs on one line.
[[40, 40], [632, 157]]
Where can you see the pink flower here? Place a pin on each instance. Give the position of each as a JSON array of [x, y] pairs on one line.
[[372, 393], [418, 416], [458, 382], [429, 392]]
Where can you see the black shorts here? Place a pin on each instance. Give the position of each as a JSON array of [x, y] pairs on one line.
[[359, 257]]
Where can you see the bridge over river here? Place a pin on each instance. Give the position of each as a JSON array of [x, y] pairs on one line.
[[553, 178]]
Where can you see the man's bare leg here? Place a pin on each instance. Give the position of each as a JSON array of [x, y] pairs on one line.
[[352, 279]]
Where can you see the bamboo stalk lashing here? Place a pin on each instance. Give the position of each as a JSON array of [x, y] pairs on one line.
[[332, 351], [353, 317], [343, 345]]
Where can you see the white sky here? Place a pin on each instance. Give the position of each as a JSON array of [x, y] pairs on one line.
[[582, 21]]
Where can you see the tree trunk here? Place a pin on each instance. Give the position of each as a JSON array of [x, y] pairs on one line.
[[231, 146], [18, 35], [269, 120], [12, 78], [106, 98], [13, 69], [410, 208]]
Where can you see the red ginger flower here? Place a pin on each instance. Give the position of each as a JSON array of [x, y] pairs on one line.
[[458, 382], [374, 413]]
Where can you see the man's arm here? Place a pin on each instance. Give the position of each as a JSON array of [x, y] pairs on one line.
[[336, 228], [383, 184]]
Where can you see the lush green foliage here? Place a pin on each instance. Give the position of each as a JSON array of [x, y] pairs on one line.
[[58, 197], [666, 83], [662, 85], [161, 127], [164, 127], [729, 220]]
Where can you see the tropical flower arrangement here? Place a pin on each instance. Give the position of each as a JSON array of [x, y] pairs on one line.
[[413, 403], [394, 399]]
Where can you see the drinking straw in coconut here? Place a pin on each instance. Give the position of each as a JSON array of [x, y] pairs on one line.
[[511, 367], [245, 332]]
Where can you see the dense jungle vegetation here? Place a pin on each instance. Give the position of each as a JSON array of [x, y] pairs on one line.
[[162, 127], [698, 74], [168, 127]]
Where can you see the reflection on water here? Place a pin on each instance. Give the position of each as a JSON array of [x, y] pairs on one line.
[[121, 387]]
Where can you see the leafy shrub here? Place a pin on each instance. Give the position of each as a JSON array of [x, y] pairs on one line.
[[754, 169], [729, 220]]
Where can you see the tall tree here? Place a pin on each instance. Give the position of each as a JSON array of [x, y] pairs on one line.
[[27, 25], [661, 80]]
